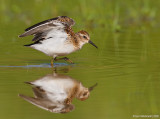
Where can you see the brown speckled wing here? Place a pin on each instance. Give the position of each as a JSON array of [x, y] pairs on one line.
[[44, 104], [39, 30], [48, 105], [39, 93]]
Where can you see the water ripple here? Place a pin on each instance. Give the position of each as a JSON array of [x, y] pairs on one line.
[[44, 65]]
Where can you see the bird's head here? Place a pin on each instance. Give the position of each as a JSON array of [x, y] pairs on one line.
[[84, 38], [84, 93]]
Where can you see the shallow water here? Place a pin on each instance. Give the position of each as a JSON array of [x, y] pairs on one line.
[[126, 68]]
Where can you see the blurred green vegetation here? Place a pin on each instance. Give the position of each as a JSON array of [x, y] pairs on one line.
[[115, 15]]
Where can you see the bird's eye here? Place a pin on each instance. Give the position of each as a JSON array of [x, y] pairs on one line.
[[84, 94], [85, 37]]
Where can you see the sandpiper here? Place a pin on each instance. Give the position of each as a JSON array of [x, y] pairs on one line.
[[55, 92], [55, 37]]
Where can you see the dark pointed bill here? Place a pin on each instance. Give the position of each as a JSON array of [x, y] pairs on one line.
[[92, 43], [92, 87]]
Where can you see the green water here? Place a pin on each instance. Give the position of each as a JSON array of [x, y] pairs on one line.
[[126, 65]]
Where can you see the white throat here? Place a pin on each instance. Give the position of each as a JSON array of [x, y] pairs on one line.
[[81, 44]]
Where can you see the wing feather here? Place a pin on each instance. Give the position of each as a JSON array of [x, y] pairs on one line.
[[44, 104], [48, 105], [44, 27], [40, 23]]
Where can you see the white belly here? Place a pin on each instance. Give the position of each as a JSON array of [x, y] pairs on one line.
[[53, 47], [56, 44], [56, 88]]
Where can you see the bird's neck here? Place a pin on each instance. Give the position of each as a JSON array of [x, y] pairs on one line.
[[79, 41]]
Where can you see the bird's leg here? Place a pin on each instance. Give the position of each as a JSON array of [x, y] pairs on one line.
[[64, 58], [52, 62], [54, 70]]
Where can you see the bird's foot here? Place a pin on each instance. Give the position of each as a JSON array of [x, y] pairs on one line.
[[64, 58], [68, 60]]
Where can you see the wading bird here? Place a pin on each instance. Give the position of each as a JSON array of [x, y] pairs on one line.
[[55, 37]]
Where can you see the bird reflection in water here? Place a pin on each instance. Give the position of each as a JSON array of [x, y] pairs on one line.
[[55, 93]]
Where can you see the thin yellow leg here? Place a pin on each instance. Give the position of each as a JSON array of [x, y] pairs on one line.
[[52, 62]]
